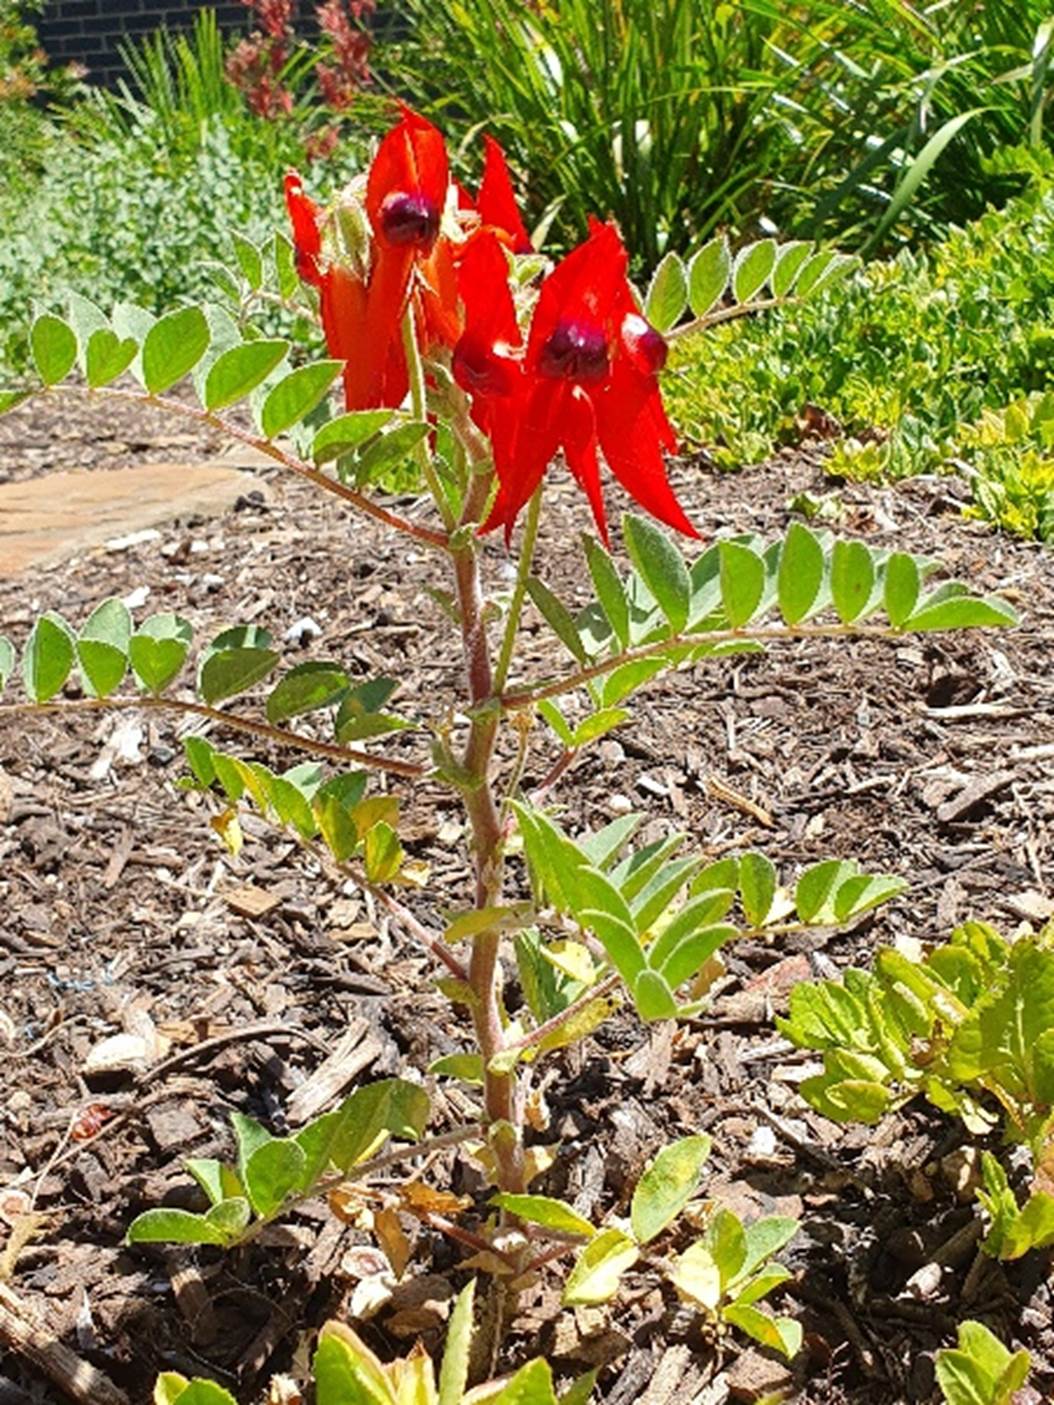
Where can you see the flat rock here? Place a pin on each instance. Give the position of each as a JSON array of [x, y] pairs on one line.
[[63, 514]]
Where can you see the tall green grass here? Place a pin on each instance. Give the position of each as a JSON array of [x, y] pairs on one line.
[[874, 119]]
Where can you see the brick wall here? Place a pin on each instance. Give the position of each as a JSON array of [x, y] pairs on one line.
[[90, 31]]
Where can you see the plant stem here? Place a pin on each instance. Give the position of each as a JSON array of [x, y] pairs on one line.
[[536, 1036], [332, 751], [528, 697], [500, 1090], [727, 314], [512, 624], [416, 374], [358, 500]]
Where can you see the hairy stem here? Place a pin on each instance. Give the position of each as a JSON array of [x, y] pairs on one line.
[[500, 1092], [512, 623], [332, 751], [416, 375], [727, 314], [307, 471]]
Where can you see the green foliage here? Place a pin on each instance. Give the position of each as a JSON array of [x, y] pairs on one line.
[[1013, 1229], [661, 918], [974, 1019], [931, 353], [724, 1274], [662, 613], [980, 1370], [272, 1172], [729, 1270], [679, 118], [346, 1372]]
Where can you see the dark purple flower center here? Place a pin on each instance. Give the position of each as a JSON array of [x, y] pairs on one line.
[[575, 351], [409, 218]]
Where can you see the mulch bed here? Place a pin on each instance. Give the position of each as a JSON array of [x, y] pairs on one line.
[[123, 915]]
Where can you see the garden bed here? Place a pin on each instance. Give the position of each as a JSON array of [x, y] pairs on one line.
[[123, 914]]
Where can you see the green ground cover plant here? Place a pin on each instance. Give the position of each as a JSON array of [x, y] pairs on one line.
[[452, 343], [922, 361]]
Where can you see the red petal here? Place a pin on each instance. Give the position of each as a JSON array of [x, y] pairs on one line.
[[411, 160], [483, 282], [441, 321], [307, 238], [632, 427], [525, 440], [496, 202], [578, 434]]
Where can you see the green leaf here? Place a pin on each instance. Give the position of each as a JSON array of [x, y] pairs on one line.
[[173, 347], [363, 1121], [296, 395], [708, 274], [9, 399], [221, 1225], [7, 660], [306, 688], [467, 1067], [249, 260], [764, 1238], [54, 348], [285, 266], [531, 1385], [609, 588], [919, 169], [961, 612], [453, 1375], [580, 1392], [752, 268], [556, 720], [234, 661], [158, 650], [800, 574], [782, 1334], [652, 997], [901, 588], [107, 357], [102, 647], [239, 370], [667, 295], [661, 567], [598, 1271], [852, 579], [865, 891], [789, 262], [272, 1172], [383, 854], [757, 882], [86, 318], [347, 432], [202, 1392], [346, 1374], [557, 617], [47, 657], [544, 1210], [598, 725], [667, 1186], [389, 450], [217, 1180], [742, 577]]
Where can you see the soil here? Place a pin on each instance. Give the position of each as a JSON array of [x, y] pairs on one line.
[[230, 979]]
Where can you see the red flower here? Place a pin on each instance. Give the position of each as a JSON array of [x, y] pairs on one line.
[[362, 313], [496, 201], [588, 380]]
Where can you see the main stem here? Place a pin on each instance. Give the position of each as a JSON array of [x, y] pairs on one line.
[[503, 1113]]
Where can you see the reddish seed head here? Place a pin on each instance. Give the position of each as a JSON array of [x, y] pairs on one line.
[[575, 351], [647, 346], [410, 219]]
